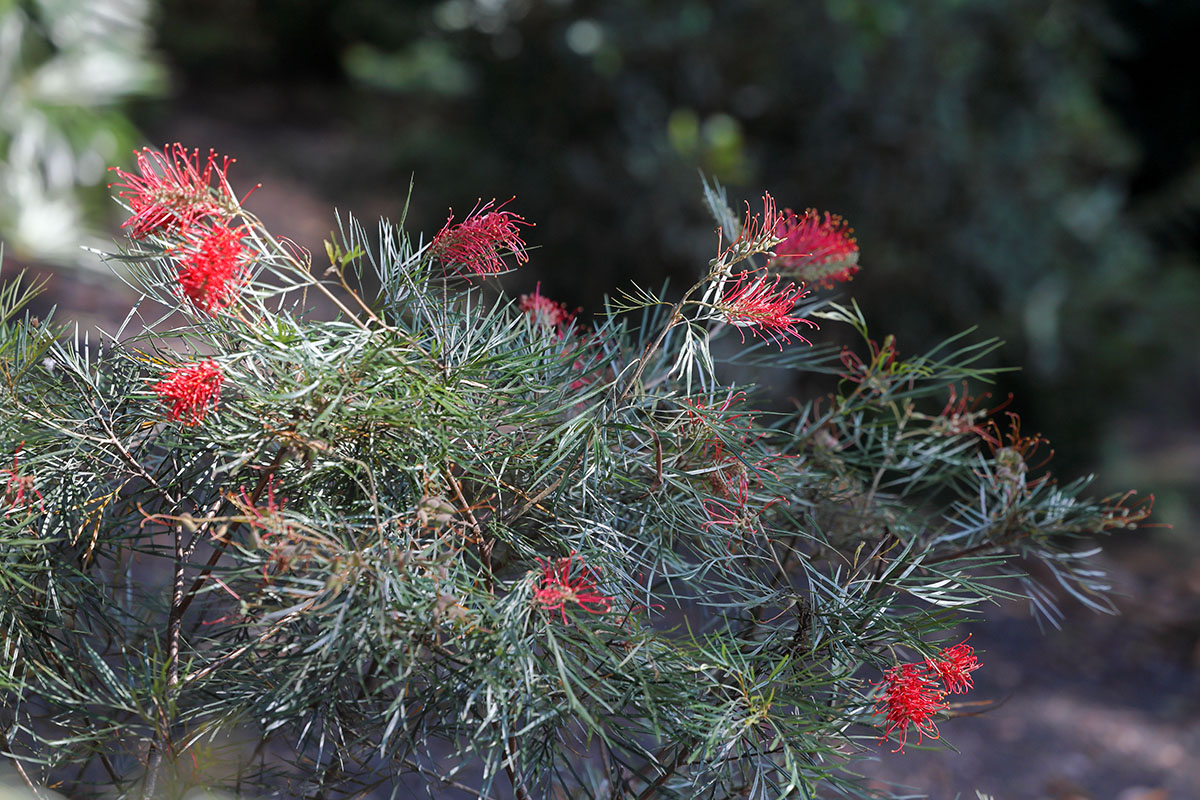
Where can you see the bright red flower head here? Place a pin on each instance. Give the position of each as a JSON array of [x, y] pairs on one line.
[[172, 191], [816, 249], [954, 667], [477, 243], [191, 391], [560, 587], [764, 308], [212, 266], [910, 697]]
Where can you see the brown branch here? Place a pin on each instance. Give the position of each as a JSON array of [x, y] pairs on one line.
[[510, 770]]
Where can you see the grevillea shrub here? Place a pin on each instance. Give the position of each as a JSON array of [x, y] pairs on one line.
[[349, 524]]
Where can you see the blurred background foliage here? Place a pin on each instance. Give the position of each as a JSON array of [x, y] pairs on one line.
[[1027, 167], [67, 69]]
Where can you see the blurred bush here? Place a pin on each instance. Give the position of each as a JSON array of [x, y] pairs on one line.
[[67, 70]]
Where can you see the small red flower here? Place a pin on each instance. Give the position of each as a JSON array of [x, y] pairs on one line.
[[20, 490], [817, 249], [764, 308], [191, 391], [544, 313], [172, 191], [910, 697], [212, 266], [954, 667], [476, 244], [558, 587]]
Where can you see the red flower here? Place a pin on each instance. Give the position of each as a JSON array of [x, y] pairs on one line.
[[212, 266], [172, 191], [191, 391], [910, 696], [764, 308], [818, 250], [954, 667], [544, 313], [558, 587], [20, 490], [735, 514], [757, 235], [475, 243]]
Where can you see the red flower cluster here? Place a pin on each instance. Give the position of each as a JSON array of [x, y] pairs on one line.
[[476, 243], [816, 249], [954, 667], [277, 535], [172, 191], [191, 391], [751, 302], [212, 266], [269, 519], [915, 693], [559, 587], [910, 696], [546, 314]]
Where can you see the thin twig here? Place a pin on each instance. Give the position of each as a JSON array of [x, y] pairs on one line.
[[432, 774], [16, 762], [267, 634]]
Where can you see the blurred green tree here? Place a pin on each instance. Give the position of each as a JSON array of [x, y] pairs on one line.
[[67, 70]]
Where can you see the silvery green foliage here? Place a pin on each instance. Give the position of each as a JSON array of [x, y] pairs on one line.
[[427, 539]]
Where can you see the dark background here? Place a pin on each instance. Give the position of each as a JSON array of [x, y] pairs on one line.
[[1030, 168]]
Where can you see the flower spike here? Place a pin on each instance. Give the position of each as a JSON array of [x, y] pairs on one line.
[[476, 243], [20, 490], [171, 191], [757, 235], [816, 249], [558, 587], [212, 266], [910, 697], [191, 391], [545, 314], [764, 308], [954, 667]]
